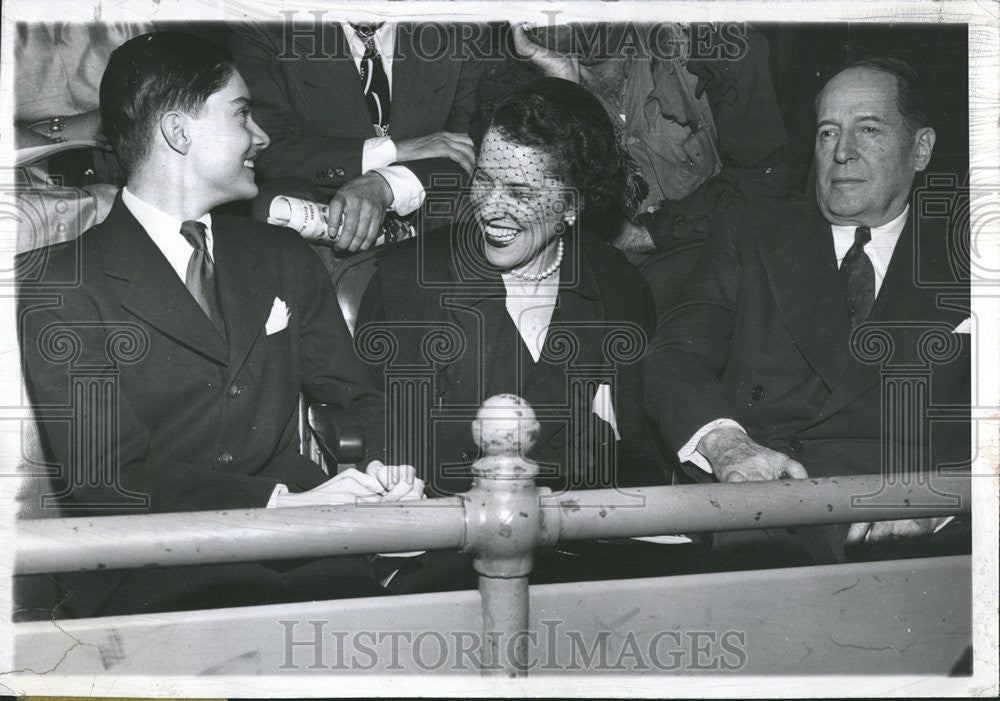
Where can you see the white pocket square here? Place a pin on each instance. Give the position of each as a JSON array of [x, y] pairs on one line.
[[278, 318], [604, 408], [964, 327]]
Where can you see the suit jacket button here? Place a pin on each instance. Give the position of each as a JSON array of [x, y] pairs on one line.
[[225, 458], [320, 175], [796, 445], [234, 391], [757, 393], [330, 173], [339, 172]]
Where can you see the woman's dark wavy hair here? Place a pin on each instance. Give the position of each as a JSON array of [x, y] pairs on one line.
[[566, 121]]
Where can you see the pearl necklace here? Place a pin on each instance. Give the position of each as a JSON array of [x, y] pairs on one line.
[[537, 277]]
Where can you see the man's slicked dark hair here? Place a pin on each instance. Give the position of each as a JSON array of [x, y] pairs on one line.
[[153, 74], [909, 95], [568, 122]]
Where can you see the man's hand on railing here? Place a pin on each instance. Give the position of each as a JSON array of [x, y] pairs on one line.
[[882, 531], [735, 457]]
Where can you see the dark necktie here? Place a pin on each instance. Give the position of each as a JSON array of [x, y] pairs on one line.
[[200, 278], [374, 81], [859, 277]]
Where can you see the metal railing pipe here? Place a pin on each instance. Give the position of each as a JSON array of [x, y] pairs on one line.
[[611, 513], [195, 537], [72, 544]]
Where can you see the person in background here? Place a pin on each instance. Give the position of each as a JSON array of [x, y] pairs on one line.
[[697, 119], [66, 176], [360, 117]]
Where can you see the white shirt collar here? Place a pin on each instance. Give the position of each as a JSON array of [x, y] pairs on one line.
[[879, 249], [165, 231], [385, 42]]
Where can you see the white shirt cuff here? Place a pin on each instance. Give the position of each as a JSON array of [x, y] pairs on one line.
[[279, 490], [689, 452], [407, 191], [377, 152]]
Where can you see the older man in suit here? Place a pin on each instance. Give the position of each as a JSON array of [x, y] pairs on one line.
[[756, 375], [364, 114], [209, 326]]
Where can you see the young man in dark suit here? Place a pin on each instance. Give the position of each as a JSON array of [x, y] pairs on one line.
[[208, 327], [756, 375]]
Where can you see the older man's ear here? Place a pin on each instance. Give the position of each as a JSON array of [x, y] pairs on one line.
[[923, 147]]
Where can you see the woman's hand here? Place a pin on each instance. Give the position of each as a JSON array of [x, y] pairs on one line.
[[399, 481], [552, 63], [28, 138], [348, 487], [77, 127]]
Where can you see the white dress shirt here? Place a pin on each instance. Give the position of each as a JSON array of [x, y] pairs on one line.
[[385, 43], [879, 251], [165, 231], [379, 151]]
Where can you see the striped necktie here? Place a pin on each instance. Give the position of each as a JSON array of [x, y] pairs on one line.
[[374, 80]]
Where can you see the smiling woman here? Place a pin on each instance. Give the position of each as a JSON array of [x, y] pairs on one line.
[[547, 166], [522, 209], [535, 301], [522, 295]]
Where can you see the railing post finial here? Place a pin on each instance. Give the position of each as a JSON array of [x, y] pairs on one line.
[[503, 527]]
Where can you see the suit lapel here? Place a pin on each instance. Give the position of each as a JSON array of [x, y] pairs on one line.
[[409, 81], [471, 374], [343, 102], [405, 72], [420, 83], [154, 292], [246, 300], [475, 302], [802, 275], [579, 304]]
